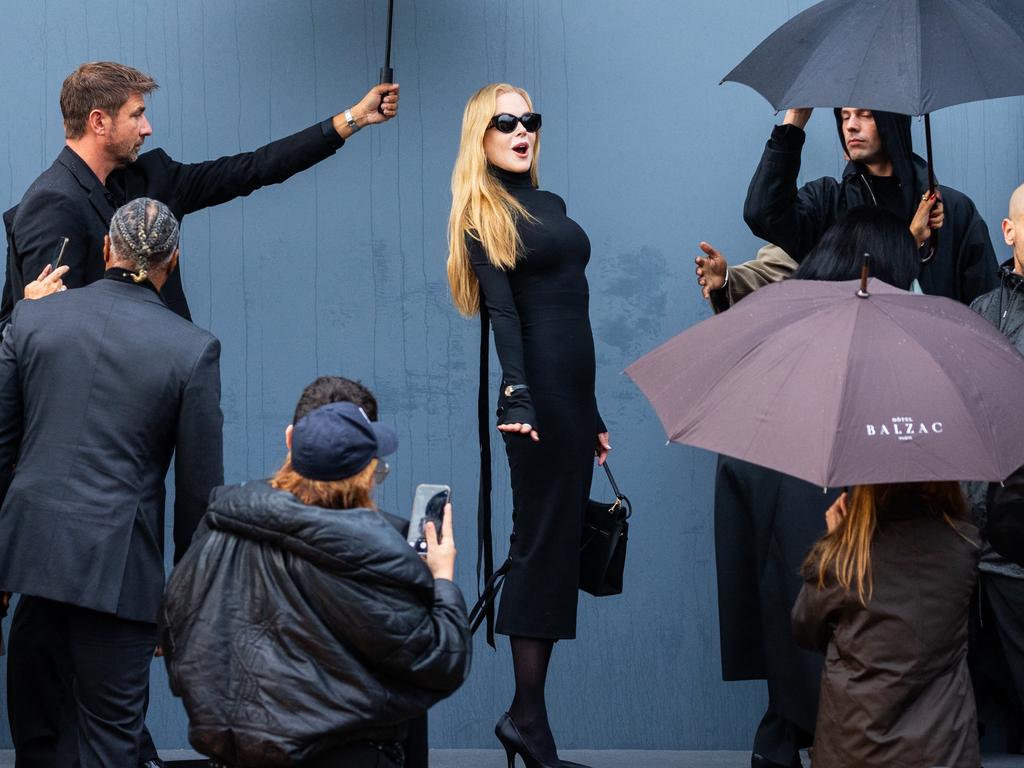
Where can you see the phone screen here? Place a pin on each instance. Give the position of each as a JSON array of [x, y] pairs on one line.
[[427, 505]]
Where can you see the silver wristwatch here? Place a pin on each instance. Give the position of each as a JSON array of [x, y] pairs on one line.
[[350, 121]]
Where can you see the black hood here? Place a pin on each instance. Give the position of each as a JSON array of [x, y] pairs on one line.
[[894, 130]]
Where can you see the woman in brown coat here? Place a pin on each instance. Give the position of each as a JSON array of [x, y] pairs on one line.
[[886, 595]]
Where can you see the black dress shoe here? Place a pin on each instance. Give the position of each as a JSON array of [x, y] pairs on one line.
[[760, 761]]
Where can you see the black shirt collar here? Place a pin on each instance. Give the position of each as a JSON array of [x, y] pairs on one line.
[[127, 276]]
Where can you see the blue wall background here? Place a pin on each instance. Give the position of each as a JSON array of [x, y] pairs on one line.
[[341, 270]]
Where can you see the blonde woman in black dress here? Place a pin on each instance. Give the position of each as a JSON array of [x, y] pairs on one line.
[[514, 251]]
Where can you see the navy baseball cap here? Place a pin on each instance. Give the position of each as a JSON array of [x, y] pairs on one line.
[[338, 440]]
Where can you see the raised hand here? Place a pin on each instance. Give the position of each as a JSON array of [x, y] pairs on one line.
[[711, 269]]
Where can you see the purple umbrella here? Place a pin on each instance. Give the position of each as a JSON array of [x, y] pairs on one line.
[[810, 379]]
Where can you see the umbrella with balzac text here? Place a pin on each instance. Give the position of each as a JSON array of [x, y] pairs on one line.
[[844, 387]]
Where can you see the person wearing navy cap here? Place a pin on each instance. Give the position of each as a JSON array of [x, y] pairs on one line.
[[301, 628]]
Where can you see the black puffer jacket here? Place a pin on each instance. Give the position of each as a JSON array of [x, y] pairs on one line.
[[290, 629], [795, 218]]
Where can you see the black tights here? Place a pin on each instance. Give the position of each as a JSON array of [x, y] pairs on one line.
[[530, 658]]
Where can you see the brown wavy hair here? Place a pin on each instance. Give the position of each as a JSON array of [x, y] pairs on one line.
[[349, 493], [104, 85], [844, 554]]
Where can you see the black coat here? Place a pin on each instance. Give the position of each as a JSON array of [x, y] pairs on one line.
[[67, 200], [1004, 527], [765, 524], [795, 219], [289, 629], [98, 387], [997, 507]]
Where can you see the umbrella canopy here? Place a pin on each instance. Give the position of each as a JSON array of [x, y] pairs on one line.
[[907, 56], [809, 379]]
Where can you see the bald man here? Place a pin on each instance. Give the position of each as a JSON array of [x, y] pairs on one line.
[[999, 636]]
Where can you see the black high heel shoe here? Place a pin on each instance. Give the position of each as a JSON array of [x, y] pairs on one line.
[[512, 740]]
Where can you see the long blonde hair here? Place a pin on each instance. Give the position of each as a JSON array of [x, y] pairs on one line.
[[844, 554], [481, 207]]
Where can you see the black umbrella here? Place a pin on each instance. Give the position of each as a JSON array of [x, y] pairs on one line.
[[906, 56]]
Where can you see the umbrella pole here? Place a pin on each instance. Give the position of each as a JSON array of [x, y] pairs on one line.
[[865, 268], [933, 244], [387, 74], [928, 145]]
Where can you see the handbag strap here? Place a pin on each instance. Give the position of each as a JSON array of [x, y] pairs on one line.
[[611, 479], [623, 500], [484, 549]]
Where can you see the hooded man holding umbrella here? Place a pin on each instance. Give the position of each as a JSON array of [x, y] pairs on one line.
[[882, 171]]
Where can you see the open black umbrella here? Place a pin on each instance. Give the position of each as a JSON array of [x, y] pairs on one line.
[[906, 56]]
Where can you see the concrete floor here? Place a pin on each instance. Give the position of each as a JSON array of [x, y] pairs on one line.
[[491, 758]]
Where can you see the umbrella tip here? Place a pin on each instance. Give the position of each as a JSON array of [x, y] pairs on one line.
[[865, 268]]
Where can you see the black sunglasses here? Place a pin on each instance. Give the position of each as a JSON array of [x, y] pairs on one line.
[[506, 123]]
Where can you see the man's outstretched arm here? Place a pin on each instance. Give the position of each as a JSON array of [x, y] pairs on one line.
[[193, 186]]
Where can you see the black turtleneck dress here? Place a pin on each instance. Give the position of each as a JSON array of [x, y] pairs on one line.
[[540, 314]]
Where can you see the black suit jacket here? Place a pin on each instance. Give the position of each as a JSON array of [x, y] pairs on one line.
[[67, 200], [98, 387]]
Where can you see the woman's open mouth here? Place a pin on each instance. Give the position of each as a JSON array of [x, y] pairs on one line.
[[521, 149]]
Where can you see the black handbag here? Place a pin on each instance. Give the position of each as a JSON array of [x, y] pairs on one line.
[[603, 543]]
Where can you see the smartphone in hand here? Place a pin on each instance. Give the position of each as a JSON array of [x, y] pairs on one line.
[[428, 505], [58, 254]]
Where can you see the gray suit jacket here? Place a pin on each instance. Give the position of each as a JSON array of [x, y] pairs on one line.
[[98, 387]]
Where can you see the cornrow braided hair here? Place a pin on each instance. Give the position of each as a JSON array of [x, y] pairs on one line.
[[144, 232]]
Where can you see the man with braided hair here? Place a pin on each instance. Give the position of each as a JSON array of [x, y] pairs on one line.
[[99, 387], [100, 168]]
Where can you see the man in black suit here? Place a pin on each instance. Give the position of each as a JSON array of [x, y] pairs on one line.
[[104, 109], [100, 168], [98, 388]]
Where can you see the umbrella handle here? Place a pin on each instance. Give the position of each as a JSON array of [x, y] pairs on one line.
[[387, 74]]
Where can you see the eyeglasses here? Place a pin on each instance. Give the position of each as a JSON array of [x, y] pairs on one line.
[[380, 471], [506, 123]]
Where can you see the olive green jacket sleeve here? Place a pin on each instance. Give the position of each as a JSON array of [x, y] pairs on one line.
[[771, 265]]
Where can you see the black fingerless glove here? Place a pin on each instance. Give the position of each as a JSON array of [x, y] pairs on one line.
[[516, 407]]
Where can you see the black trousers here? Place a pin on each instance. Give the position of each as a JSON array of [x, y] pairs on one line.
[[997, 660], [779, 740], [108, 660]]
